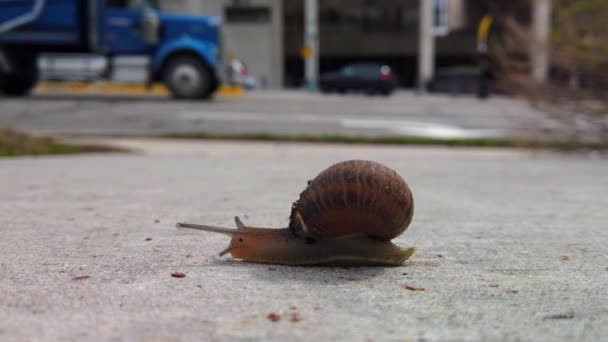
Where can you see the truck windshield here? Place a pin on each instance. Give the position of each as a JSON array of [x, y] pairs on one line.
[[133, 4], [151, 4]]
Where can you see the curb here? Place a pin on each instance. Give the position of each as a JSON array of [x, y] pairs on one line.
[[123, 88]]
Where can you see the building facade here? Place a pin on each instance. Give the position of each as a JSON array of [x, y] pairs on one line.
[[268, 35]]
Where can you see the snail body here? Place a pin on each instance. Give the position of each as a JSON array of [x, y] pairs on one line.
[[346, 216]]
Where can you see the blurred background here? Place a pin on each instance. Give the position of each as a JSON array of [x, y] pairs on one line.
[[550, 53]]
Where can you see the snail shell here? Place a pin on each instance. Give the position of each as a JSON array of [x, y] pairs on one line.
[[351, 198]]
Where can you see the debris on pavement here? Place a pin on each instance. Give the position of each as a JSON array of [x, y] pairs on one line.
[[178, 274], [82, 277], [412, 288], [568, 315], [273, 317]]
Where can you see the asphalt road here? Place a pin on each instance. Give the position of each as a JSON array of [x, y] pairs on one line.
[[285, 113], [512, 245]]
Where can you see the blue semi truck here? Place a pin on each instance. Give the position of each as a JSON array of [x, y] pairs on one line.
[[184, 51]]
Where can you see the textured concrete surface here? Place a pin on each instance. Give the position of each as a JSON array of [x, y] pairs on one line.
[[512, 245]]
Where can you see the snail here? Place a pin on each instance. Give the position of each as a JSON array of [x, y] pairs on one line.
[[346, 216]]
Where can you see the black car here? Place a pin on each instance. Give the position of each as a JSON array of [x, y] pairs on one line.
[[369, 77]]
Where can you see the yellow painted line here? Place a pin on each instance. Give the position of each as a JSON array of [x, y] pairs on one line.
[[230, 90], [123, 88]]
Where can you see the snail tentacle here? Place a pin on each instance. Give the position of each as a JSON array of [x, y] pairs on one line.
[[226, 231], [214, 229], [239, 223]]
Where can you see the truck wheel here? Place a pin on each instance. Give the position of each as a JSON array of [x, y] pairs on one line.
[[20, 81], [187, 77]]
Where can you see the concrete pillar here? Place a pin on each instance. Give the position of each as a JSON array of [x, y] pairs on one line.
[[426, 44], [311, 43], [539, 50], [278, 61]]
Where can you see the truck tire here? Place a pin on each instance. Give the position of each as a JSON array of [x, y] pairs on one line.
[[187, 77], [22, 79]]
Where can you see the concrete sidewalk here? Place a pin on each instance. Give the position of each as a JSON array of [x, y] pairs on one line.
[[511, 245]]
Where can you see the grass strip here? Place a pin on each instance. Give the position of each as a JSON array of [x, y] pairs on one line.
[[400, 140], [13, 144]]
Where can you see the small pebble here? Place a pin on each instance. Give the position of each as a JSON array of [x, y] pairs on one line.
[[273, 317]]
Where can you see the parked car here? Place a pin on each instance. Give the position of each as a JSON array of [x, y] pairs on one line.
[[368, 77]]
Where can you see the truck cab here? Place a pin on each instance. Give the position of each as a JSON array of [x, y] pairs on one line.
[[183, 51]]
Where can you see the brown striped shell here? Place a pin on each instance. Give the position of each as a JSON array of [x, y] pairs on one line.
[[353, 197]]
